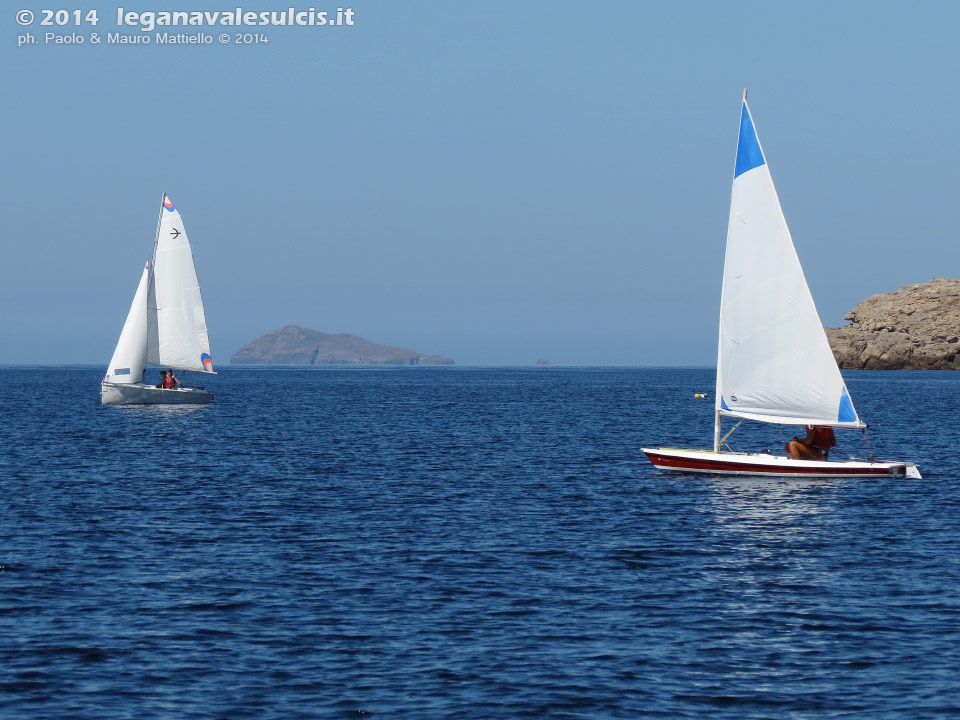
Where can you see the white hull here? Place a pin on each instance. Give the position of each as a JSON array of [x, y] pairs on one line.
[[138, 394], [726, 463]]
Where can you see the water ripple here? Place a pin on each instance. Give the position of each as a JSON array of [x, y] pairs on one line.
[[464, 543]]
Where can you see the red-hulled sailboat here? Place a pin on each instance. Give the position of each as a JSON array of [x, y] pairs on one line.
[[774, 363]]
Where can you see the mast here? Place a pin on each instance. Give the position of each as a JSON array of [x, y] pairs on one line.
[[151, 285], [716, 430], [718, 393], [156, 237], [717, 388]]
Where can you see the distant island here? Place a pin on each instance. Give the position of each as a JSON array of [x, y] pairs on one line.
[[295, 345], [915, 328]]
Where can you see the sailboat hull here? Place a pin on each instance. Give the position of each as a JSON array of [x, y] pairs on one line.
[[138, 394], [725, 463]]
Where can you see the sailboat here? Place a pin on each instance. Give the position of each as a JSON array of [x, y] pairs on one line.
[[166, 325], [774, 363]]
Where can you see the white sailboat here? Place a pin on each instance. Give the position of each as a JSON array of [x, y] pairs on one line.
[[165, 327], [774, 363]]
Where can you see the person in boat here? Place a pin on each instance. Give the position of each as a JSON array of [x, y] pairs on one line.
[[172, 382], [814, 446], [163, 379]]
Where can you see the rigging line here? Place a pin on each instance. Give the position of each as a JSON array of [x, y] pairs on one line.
[[866, 443], [723, 440]]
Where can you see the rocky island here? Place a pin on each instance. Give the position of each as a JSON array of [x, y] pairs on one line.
[[915, 328], [295, 345]]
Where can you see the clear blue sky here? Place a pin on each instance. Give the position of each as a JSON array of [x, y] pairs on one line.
[[492, 181]]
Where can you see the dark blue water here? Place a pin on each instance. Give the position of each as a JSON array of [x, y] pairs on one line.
[[465, 543]]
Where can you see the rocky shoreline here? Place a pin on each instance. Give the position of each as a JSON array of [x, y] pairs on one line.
[[915, 328]]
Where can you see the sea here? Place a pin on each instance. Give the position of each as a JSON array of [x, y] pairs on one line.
[[458, 542]]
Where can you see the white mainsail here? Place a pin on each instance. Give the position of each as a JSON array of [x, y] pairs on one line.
[[774, 363], [130, 358], [177, 328]]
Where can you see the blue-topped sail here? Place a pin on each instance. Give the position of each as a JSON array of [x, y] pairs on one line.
[[774, 363], [749, 154], [847, 414]]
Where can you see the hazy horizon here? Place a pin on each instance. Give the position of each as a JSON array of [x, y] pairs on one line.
[[383, 365], [492, 182]]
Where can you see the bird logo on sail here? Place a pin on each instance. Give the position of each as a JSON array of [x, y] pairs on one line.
[[168, 203]]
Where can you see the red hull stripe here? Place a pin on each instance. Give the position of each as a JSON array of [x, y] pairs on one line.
[[707, 465]]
